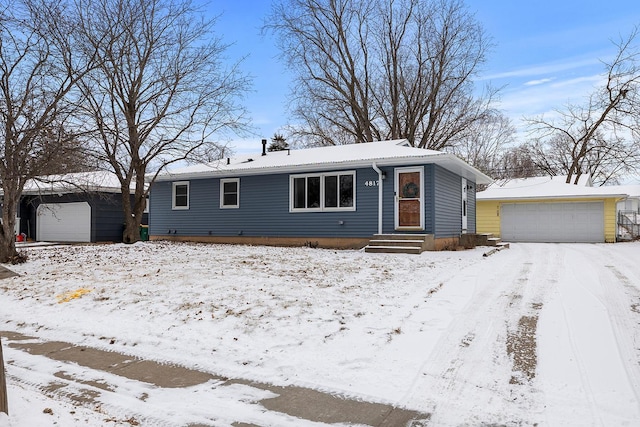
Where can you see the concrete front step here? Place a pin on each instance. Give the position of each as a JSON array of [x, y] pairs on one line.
[[398, 243], [493, 241], [384, 242], [420, 237], [394, 249]]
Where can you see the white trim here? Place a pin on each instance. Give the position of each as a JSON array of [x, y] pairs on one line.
[[397, 172], [173, 194], [224, 181], [322, 177], [380, 194], [465, 206]]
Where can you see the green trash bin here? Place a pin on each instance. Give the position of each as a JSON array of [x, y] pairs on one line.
[[144, 233]]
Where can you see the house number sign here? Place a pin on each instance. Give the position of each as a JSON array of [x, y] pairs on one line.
[[371, 183]]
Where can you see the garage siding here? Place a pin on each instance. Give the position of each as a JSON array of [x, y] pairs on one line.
[[581, 222], [106, 213], [488, 217]]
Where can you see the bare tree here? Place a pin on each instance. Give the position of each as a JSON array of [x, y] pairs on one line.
[[382, 69], [488, 139], [38, 74], [516, 162], [600, 136], [161, 93]]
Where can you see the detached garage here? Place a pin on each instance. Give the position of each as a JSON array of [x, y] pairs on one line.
[[546, 209], [74, 208]]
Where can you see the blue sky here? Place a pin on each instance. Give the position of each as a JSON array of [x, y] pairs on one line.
[[546, 53]]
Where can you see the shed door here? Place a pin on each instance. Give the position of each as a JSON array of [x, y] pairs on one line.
[[581, 222], [63, 222], [409, 207]]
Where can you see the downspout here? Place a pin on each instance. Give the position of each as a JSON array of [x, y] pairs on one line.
[[380, 177]]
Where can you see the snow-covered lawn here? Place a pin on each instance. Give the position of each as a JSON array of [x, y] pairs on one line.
[[545, 334]]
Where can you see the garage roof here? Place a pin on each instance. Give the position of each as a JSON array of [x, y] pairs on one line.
[[546, 187], [97, 181]]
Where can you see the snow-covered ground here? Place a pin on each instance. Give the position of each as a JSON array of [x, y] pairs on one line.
[[540, 334]]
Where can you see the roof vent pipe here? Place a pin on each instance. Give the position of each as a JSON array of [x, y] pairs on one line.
[[264, 147]]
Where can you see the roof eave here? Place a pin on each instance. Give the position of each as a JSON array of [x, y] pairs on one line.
[[448, 161], [572, 196]]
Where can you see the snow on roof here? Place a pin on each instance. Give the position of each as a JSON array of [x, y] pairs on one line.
[[545, 187], [631, 190], [383, 153], [102, 181]]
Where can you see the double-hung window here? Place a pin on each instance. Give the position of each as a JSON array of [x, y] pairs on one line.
[[323, 192], [229, 193], [180, 195]]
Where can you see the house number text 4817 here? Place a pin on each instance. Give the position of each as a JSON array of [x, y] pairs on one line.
[[371, 183]]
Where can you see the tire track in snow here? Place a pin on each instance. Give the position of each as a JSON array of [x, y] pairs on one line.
[[619, 298], [575, 352], [469, 359], [590, 364]]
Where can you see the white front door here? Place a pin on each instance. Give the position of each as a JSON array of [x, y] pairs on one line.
[[464, 204], [409, 200]]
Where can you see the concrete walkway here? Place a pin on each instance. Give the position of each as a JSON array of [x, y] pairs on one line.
[[5, 273], [299, 402]]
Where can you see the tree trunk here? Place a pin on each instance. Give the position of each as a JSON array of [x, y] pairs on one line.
[[133, 211], [131, 232], [7, 244], [4, 400], [7, 231]]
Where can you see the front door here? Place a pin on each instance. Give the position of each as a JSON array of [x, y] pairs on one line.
[[409, 207]]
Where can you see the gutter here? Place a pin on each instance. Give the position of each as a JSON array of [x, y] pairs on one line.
[[380, 178], [554, 197]]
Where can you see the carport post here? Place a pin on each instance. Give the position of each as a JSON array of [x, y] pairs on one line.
[[4, 405]]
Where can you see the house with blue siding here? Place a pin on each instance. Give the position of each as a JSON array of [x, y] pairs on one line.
[[338, 196]]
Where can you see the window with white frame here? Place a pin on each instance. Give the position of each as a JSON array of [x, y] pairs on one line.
[[180, 197], [323, 192], [229, 193]]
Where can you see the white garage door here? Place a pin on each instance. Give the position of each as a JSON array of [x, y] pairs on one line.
[[64, 222], [553, 222]]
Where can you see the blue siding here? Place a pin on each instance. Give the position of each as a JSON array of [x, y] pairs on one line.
[[430, 199], [264, 208], [447, 203], [263, 211], [388, 203]]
